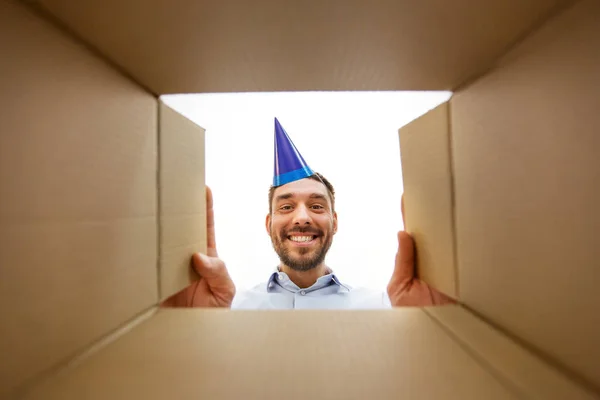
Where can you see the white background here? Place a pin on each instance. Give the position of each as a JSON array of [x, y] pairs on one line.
[[350, 137]]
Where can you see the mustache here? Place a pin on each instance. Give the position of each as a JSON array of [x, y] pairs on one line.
[[310, 230]]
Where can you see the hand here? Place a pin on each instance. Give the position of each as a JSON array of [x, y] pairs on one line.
[[405, 289], [214, 288]]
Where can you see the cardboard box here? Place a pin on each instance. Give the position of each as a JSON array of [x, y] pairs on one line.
[[102, 198]]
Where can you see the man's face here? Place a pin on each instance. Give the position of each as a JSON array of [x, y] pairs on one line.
[[302, 224]]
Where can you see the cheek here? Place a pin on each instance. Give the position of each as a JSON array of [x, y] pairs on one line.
[[326, 223], [276, 225]]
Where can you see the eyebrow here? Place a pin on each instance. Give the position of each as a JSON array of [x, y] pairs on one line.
[[318, 196], [286, 196]]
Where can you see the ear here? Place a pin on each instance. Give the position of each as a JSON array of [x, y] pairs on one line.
[[335, 222], [268, 224]]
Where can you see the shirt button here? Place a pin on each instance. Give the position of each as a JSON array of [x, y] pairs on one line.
[[280, 276], [303, 292]]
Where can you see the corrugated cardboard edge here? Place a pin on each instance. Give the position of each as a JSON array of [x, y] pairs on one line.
[[80, 357], [455, 260], [505, 358], [425, 147]]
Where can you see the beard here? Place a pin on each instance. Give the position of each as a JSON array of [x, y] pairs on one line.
[[303, 262]]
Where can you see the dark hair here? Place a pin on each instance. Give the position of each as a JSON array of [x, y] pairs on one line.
[[315, 177]]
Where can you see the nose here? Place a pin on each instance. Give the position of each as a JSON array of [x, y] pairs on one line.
[[301, 216]]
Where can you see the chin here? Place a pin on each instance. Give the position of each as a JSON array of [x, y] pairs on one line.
[[301, 268], [304, 252], [301, 263]]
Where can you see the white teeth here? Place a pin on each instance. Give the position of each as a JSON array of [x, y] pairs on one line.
[[301, 238]]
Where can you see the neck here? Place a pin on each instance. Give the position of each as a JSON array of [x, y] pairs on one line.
[[304, 279]]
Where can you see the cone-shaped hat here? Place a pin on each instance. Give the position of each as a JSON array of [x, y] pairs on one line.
[[289, 164]]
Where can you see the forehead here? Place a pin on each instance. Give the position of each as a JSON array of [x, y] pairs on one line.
[[303, 187]]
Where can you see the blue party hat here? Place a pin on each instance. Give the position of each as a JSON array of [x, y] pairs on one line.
[[289, 164]]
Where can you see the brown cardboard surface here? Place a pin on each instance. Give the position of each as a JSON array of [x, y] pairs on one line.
[[383, 354], [182, 199], [527, 173], [271, 45], [427, 178], [529, 374], [77, 188]]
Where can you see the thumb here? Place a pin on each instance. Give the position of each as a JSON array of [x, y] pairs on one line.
[[404, 270], [212, 269]]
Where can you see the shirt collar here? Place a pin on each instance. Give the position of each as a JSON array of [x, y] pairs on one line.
[[282, 279]]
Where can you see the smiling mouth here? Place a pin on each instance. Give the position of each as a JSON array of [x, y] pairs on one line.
[[302, 239]]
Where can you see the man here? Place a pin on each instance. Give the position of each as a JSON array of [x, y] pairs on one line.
[[301, 223]]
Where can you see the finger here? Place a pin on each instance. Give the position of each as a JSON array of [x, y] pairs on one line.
[[213, 270], [404, 270], [211, 242]]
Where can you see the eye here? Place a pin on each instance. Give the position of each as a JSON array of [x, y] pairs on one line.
[[286, 207], [317, 207]]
